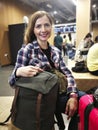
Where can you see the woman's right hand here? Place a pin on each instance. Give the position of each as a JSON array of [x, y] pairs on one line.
[[28, 71]]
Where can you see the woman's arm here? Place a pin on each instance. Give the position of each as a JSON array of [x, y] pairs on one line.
[[22, 68], [22, 59], [70, 79]]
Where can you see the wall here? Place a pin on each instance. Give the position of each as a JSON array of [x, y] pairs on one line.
[[82, 19], [95, 29], [11, 12]]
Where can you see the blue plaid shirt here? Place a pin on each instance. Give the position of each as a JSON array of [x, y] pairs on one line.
[[31, 54]]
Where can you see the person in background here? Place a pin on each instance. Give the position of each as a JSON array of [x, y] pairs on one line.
[[92, 58], [39, 55], [69, 41], [64, 47], [70, 47], [58, 41], [82, 50]]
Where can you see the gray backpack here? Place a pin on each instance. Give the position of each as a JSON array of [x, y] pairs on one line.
[[33, 109]]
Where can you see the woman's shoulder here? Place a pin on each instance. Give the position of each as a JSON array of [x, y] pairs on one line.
[[55, 48], [26, 47], [55, 51], [29, 45]]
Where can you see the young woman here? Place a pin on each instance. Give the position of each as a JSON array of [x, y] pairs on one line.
[[83, 48], [38, 55]]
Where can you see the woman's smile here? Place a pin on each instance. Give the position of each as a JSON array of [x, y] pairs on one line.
[[42, 29]]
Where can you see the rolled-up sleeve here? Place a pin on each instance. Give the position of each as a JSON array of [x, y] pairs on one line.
[[22, 59], [70, 79]]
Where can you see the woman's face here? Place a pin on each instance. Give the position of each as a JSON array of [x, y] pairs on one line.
[[42, 29], [88, 39]]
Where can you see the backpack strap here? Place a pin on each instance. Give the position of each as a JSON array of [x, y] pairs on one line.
[[38, 105], [13, 108], [7, 119]]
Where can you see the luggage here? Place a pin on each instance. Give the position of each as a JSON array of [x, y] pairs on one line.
[[88, 113], [32, 109], [80, 66], [35, 110]]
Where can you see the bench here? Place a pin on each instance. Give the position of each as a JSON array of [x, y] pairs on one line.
[[85, 81]]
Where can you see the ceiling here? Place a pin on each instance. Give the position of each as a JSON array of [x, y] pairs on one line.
[[63, 11]]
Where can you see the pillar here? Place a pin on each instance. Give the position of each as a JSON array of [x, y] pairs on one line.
[[83, 11]]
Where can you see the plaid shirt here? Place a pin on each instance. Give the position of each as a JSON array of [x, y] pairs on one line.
[[31, 54]]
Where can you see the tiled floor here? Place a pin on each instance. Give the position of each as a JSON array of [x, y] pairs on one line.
[[65, 121], [5, 89], [5, 105]]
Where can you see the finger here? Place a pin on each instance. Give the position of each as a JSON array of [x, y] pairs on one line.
[[36, 68], [67, 109], [33, 74], [31, 70], [40, 70], [69, 114]]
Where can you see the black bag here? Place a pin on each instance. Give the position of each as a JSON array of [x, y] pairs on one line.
[[83, 52], [80, 67], [33, 110]]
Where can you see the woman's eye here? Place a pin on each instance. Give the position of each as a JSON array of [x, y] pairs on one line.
[[47, 25], [38, 26]]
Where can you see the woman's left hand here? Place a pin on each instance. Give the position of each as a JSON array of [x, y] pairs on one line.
[[71, 106]]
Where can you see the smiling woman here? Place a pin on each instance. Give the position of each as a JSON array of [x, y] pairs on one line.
[[37, 56], [30, 63], [35, 26], [42, 31]]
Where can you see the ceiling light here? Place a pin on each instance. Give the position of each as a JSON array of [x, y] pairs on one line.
[[25, 19], [57, 21], [94, 6], [49, 6], [55, 12], [75, 2]]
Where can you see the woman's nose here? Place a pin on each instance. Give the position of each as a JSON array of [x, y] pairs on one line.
[[43, 28]]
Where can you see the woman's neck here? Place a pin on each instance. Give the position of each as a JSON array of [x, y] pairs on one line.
[[43, 45]]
